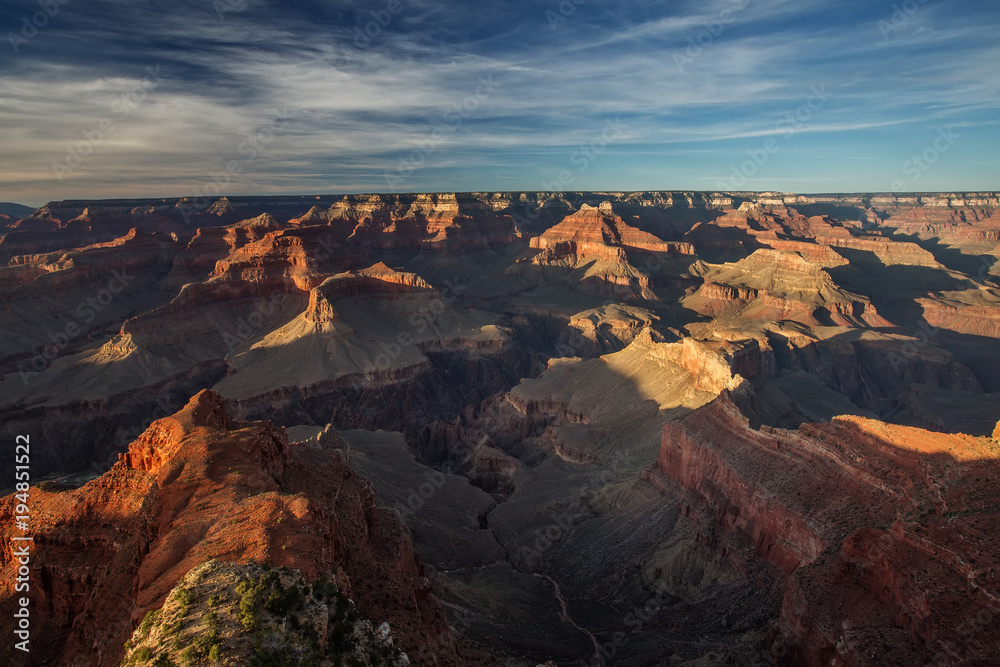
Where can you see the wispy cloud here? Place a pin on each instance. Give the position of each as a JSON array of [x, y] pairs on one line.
[[357, 109]]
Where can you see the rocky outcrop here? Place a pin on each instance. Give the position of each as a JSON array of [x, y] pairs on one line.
[[596, 233], [615, 259], [55, 301], [849, 578], [948, 216], [450, 221], [772, 285], [230, 614], [972, 312], [715, 365], [376, 281], [198, 486], [605, 329]]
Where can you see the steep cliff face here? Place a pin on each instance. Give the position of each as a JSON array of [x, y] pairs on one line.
[[426, 220], [714, 451], [54, 227], [377, 281], [53, 302], [951, 217], [918, 592], [971, 312], [850, 578], [55, 274], [199, 486]]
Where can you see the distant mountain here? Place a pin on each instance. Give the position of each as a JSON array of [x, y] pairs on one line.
[[15, 210]]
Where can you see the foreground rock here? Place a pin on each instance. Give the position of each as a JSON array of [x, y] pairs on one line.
[[198, 486], [228, 614]]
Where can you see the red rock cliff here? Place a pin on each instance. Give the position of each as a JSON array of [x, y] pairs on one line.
[[193, 487]]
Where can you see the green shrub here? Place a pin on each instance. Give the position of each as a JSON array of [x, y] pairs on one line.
[[249, 619], [185, 598], [251, 596], [147, 622], [325, 590], [189, 656], [142, 656], [280, 601], [205, 643], [276, 649]]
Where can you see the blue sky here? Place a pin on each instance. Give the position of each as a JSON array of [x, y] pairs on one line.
[[159, 98]]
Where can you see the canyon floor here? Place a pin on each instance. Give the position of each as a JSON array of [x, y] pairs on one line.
[[518, 428]]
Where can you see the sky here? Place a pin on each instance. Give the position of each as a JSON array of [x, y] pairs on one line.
[[172, 98]]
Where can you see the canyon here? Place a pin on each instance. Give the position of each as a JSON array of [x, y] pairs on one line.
[[635, 428]]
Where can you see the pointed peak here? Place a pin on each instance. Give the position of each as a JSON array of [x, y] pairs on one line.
[[262, 220], [206, 408], [378, 268]]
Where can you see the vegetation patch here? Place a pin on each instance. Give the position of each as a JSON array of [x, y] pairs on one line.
[[257, 616]]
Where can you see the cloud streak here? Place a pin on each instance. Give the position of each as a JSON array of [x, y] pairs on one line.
[[355, 110]]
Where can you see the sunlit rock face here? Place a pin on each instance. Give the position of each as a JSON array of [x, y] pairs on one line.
[[755, 428], [198, 486]]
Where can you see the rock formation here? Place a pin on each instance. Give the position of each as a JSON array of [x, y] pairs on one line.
[[738, 428], [199, 486], [853, 576]]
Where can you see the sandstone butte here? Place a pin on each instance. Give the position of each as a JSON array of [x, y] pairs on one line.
[[198, 486], [596, 232]]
